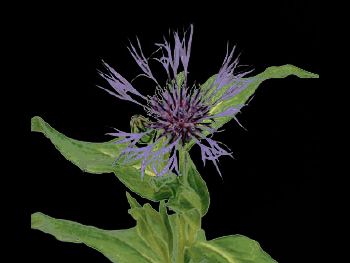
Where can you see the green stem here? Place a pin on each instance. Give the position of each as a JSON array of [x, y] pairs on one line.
[[180, 258], [183, 163]]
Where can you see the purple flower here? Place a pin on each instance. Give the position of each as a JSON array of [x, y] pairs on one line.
[[179, 113]]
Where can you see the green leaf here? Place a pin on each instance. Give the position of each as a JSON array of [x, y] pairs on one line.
[[274, 72], [119, 246], [168, 235], [132, 201], [229, 249], [157, 237], [185, 192], [99, 158], [153, 230], [186, 230], [90, 157], [149, 187], [193, 191]]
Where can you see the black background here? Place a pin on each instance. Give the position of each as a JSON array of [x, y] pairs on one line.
[[270, 193]]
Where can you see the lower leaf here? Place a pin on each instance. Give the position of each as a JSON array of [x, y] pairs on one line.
[[168, 235], [229, 249], [119, 246]]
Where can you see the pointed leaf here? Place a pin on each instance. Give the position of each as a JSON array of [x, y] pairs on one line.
[[132, 201], [90, 157], [274, 72], [99, 158], [120, 246], [270, 73]]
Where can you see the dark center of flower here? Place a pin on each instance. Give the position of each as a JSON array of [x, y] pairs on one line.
[[179, 114]]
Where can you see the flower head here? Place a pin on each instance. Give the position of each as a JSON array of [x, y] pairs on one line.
[[179, 113]]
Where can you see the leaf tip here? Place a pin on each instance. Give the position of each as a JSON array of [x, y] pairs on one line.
[[36, 124], [132, 201], [301, 73], [36, 220]]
